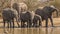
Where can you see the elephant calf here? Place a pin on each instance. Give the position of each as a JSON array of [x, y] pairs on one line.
[[36, 19], [25, 17]]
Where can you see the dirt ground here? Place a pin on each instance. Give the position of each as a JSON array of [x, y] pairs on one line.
[[39, 30]]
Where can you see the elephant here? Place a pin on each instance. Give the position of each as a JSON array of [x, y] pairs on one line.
[[19, 6], [23, 6], [26, 17], [36, 19], [8, 15], [16, 7], [46, 13]]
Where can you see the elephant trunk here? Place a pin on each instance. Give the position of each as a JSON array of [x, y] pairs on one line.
[[57, 12]]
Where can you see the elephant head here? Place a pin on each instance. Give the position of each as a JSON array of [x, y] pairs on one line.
[[53, 9], [15, 6], [50, 9]]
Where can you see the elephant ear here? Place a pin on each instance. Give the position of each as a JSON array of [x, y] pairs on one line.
[[54, 8]]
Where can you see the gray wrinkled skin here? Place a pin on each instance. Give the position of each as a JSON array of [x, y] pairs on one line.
[[19, 7], [36, 19], [26, 17], [46, 13], [8, 15]]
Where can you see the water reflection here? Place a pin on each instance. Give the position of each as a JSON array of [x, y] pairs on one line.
[[50, 30], [8, 30]]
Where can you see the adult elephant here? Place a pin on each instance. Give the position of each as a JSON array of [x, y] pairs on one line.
[[46, 13], [26, 17], [8, 15], [16, 7], [19, 6]]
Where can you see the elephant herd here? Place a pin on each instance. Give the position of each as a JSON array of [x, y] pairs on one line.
[[25, 16]]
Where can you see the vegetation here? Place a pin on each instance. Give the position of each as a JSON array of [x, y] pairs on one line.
[[32, 4]]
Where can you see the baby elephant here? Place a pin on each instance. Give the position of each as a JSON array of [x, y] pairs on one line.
[[25, 17], [37, 20]]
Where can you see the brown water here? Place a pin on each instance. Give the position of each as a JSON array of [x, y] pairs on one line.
[[42, 30]]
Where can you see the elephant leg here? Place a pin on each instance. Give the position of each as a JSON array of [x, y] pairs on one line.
[[51, 21], [4, 22], [13, 22], [40, 23], [47, 22], [34, 24], [8, 24], [22, 24], [17, 21], [4, 25], [30, 23], [18, 24]]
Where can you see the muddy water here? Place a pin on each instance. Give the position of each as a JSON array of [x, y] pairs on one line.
[[50, 30], [42, 30]]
